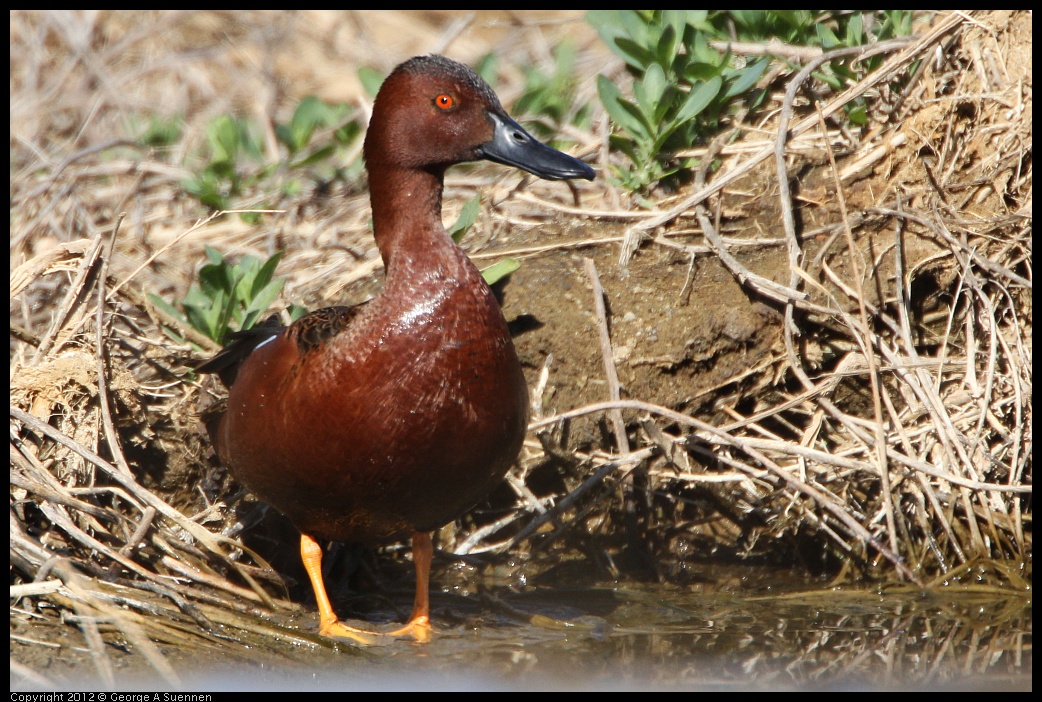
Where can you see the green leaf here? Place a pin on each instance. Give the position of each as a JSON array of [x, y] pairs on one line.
[[625, 145], [209, 319], [214, 256], [697, 20], [748, 19], [624, 113], [682, 84], [316, 156], [348, 132], [223, 135], [698, 71], [205, 188], [858, 115], [160, 131], [607, 24], [167, 307], [650, 93], [634, 25], [746, 78], [371, 80], [467, 215], [668, 47], [214, 280], [826, 36], [488, 68], [676, 20], [227, 296], [855, 34], [497, 271], [296, 311], [310, 113], [260, 304], [699, 98], [266, 272], [636, 55]]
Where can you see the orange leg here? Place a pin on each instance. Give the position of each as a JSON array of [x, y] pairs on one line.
[[328, 624], [419, 624]]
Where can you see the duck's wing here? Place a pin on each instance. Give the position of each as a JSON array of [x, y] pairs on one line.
[[316, 328], [309, 331], [238, 346]]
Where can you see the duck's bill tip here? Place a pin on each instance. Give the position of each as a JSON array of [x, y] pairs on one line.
[[511, 145]]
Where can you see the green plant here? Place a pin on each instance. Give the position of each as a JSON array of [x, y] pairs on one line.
[[158, 132], [312, 114], [234, 161], [550, 98], [467, 215], [850, 30], [371, 80], [680, 87], [220, 179], [827, 29], [499, 270], [226, 297], [682, 84]]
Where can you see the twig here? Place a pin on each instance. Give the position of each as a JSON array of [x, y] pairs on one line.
[[111, 437], [72, 299], [572, 497], [622, 443], [874, 380], [207, 538]]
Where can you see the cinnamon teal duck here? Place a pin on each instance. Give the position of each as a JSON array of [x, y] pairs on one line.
[[389, 419]]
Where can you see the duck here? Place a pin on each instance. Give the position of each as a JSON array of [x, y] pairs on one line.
[[385, 421]]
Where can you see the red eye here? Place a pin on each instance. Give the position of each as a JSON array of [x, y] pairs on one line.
[[444, 101]]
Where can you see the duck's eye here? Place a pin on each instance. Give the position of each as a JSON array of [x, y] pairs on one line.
[[445, 101]]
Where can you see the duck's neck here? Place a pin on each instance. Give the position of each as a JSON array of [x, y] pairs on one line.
[[407, 222]]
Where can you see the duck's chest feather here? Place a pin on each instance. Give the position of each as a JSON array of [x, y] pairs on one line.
[[419, 395]]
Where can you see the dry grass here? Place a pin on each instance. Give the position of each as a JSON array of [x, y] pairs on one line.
[[910, 458]]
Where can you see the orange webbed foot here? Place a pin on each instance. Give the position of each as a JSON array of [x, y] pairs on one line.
[[418, 628], [338, 630]]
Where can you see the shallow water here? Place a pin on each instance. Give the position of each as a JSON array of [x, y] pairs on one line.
[[662, 637]]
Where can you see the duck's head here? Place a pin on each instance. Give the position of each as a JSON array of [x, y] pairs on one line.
[[432, 112]]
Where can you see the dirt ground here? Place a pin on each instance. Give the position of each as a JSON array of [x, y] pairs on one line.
[[686, 334]]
